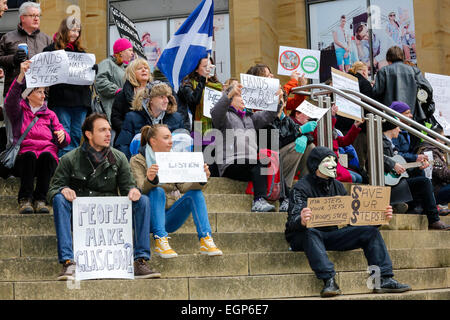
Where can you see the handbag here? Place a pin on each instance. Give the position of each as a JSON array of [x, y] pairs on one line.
[[9, 155], [96, 103]]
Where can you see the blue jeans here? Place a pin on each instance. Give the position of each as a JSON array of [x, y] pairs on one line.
[[167, 221], [62, 215], [72, 119], [356, 177]]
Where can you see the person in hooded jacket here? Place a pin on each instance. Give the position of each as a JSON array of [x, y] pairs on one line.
[[38, 151], [155, 104], [321, 182]]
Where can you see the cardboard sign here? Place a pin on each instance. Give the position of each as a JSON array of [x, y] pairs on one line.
[[210, 98], [127, 29], [260, 92], [441, 96], [311, 110], [369, 205], [348, 109], [103, 238], [302, 60], [50, 68], [365, 206], [329, 211], [178, 167]]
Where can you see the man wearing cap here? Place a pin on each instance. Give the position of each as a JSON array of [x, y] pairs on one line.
[[321, 182], [418, 188], [111, 73], [27, 32]]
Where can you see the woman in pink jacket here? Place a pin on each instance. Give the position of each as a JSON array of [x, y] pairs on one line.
[[38, 151]]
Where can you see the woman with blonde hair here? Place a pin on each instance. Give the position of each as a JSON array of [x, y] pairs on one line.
[[169, 210], [154, 104], [137, 76]]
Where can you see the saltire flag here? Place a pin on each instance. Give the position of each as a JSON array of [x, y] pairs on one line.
[[192, 41]]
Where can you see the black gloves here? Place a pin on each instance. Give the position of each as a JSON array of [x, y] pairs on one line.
[[20, 56]]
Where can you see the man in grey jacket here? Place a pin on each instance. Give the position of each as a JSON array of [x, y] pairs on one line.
[[27, 32]]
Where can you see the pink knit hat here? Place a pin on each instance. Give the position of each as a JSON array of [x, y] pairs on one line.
[[121, 44]]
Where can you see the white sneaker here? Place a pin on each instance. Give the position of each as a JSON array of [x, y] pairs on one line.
[[261, 205]]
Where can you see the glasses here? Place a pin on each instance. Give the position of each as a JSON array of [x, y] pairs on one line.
[[34, 16], [392, 15]]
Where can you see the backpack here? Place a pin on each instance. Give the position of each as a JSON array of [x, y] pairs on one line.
[[274, 183]]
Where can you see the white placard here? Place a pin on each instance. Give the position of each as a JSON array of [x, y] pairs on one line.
[[311, 110], [50, 68], [47, 69], [260, 93], [210, 98], [178, 167], [302, 60], [103, 238], [429, 170], [346, 108], [441, 97], [80, 68]]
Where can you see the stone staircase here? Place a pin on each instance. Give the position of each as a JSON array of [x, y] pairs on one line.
[[256, 263]]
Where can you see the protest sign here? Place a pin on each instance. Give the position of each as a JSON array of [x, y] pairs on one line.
[[369, 205], [80, 68], [127, 29], [302, 60], [441, 96], [311, 110], [329, 211], [103, 238], [348, 109], [365, 206], [260, 92], [50, 68], [178, 167], [47, 69], [210, 98]]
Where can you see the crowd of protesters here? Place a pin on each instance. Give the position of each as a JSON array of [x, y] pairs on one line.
[[68, 143]]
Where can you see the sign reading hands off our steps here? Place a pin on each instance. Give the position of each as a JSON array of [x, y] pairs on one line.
[[103, 238], [366, 205]]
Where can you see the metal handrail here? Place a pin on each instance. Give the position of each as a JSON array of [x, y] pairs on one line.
[[347, 94]]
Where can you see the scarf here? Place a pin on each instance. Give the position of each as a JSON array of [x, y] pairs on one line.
[[96, 157], [241, 113]]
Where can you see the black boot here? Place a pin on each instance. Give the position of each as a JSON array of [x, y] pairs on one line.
[[330, 288], [390, 285]]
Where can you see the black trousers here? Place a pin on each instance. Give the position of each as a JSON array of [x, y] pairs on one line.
[[422, 191], [27, 167], [315, 244], [249, 172]]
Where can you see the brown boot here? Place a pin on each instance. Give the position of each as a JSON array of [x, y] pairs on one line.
[[25, 206], [439, 225], [41, 207], [142, 270]]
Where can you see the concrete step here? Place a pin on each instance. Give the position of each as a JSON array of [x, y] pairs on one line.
[[236, 264], [228, 242], [42, 224], [214, 288], [436, 294], [215, 185]]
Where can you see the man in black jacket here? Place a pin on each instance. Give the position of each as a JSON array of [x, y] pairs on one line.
[[321, 182]]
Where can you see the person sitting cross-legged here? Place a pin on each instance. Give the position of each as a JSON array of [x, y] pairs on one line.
[[321, 182]]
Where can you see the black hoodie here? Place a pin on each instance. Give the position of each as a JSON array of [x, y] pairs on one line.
[[311, 186]]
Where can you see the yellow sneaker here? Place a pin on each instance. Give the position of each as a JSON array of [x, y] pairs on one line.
[[163, 249], [207, 246]]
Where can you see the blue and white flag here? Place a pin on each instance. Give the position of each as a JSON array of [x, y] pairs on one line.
[[190, 43]]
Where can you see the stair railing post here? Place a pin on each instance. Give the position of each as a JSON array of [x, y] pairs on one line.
[[321, 125], [371, 148], [379, 151]]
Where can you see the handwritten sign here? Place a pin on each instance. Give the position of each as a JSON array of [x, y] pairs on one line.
[[47, 69], [127, 29], [369, 205], [80, 68], [103, 238], [177, 167], [302, 60], [311, 110], [260, 92], [348, 109], [441, 96], [329, 211], [365, 206], [210, 98], [50, 68]]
